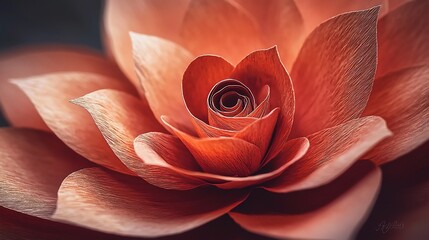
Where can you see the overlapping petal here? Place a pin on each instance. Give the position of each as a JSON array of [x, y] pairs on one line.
[[353, 194], [26, 62], [159, 18], [332, 151], [219, 27], [32, 166], [334, 72], [51, 94], [401, 98], [104, 201]]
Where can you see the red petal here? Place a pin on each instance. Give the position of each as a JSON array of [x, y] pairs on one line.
[[198, 80], [32, 166], [338, 219], [51, 95], [280, 24], [402, 99], [174, 163], [120, 117], [263, 68], [315, 11], [105, 201], [219, 27], [28, 62], [159, 18], [334, 72], [403, 37], [160, 65], [332, 151], [225, 155]]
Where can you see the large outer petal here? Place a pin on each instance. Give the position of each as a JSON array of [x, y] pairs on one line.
[[124, 205], [160, 65], [317, 11], [280, 23], [161, 153], [262, 68], [32, 166], [402, 99], [337, 219], [332, 151], [159, 18], [51, 94], [334, 72], [26, 62], [403, 37], [219, 27]]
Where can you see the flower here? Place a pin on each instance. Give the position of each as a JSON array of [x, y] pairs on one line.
[[192, 139]]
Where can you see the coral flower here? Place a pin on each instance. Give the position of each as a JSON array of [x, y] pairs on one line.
[[275, 115]]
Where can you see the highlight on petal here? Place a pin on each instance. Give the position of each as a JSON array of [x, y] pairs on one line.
[[160, 65], [51, 94], [32, 166], [280, 23], [315, 12], [403, 38], [104, 201], [165, 155], [332, 151], [401, 98], [334, 72], [262, 68], [219, 27], [26, 62], [224, 155], [339, 218], [159, 18]]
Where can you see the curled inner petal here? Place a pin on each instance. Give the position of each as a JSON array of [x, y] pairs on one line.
[[231, 98]]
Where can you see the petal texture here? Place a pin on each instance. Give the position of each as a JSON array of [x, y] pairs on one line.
[[160, 65], [32, 166], [159, 18], [334, 72], [26, 62], [105, 201], [219, 27], [402, 98], [51, 94], [338, 219], [403, 37], [332, 151]]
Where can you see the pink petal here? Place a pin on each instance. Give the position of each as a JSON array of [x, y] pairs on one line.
[[393, 4], [332, 151], [160, 65], [337, 219], [262, 68], [224, 155], [174, 163], [32, 166], [280, 23], [51, 94], [219, 27], [315, 12], [403, 37], [33, 61], [104, 201], [198, 80], [159, 18], [334, 72], [402, 98]]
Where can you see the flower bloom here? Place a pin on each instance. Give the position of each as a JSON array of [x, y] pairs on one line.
[[214, 120]]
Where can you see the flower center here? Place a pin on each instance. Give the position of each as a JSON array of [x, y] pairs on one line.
[[231, 98]]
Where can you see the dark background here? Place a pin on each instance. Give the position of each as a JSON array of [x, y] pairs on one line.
[[403, 198], [24, 22]]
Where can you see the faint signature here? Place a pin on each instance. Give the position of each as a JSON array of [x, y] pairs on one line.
[[385, 226]]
